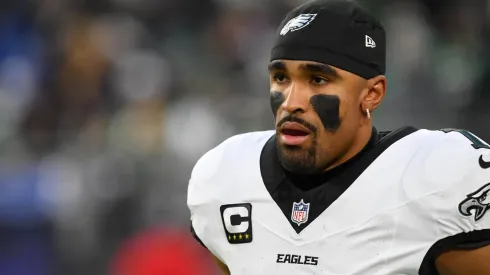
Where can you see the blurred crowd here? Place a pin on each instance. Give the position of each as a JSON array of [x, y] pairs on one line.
[[105, 106]]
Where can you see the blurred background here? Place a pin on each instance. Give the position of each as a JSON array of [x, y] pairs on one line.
[[106, 105]]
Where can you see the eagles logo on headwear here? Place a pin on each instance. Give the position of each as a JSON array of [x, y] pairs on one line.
[[298, 23]]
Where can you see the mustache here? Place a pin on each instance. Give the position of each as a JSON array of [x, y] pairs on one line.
[[301, 121]]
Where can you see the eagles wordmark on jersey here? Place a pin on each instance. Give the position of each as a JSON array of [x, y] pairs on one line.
[[409, 196]]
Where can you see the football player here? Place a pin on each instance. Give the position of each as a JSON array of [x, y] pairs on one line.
[[327, 193]]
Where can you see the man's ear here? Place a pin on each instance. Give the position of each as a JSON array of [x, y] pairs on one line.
[[375, 94]]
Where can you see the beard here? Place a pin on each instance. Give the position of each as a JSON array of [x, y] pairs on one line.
[[298, 160]]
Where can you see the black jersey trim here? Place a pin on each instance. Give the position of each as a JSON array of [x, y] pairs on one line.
[[194, 234], [462, 241], [284, 193]]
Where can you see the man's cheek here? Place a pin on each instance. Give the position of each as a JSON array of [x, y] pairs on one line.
[[276, 100], [328, 109]]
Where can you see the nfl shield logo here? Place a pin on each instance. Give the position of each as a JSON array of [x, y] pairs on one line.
[[300, 212]]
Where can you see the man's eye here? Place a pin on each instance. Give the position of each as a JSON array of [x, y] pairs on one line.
[[280, 78], [319, 80]]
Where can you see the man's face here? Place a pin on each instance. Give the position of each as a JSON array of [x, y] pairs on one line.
[[318, 112]]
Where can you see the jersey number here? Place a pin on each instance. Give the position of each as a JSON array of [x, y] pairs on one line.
[[476, 142]]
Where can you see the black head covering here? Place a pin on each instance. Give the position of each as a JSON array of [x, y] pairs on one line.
[[334, 32]]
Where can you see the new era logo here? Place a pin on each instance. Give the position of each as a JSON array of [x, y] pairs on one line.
[[370, 42]]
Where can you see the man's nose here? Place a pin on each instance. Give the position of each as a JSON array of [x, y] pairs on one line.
[[296, 99]]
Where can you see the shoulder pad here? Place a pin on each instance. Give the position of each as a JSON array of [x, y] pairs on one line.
[[220, 161], [451, 155]]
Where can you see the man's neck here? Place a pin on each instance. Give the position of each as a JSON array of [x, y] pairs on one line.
[[308, 182], [358, 144]]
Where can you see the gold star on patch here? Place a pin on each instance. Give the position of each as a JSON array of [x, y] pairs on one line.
[[246, 236], [229, 237], [240, 236], [234, 237]]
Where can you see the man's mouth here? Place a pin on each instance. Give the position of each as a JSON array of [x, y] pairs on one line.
[[293, 133], [296, 133]]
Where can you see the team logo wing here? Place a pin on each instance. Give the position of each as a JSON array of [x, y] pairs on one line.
[[298, 23], [476, 204]]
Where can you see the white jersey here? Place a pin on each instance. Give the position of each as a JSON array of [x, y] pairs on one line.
[[417, 194]]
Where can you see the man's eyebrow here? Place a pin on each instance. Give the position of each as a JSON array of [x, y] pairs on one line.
[[321, 68], [276, 65]]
